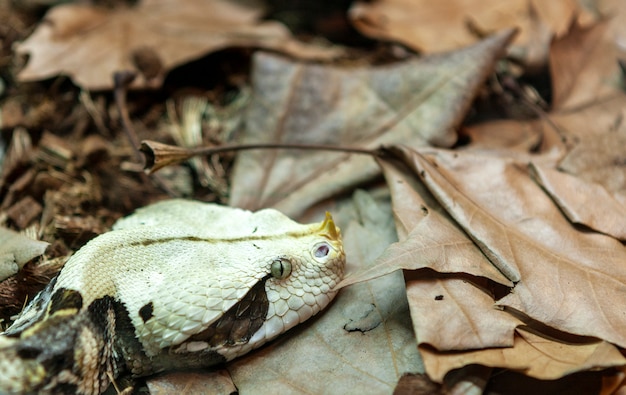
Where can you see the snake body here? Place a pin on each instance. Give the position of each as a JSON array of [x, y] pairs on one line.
[[177, 285]]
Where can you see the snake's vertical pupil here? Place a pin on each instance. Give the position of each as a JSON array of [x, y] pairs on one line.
[[280, 268], [322, 251]]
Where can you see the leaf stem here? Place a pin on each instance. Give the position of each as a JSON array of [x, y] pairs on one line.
[[158, 155]]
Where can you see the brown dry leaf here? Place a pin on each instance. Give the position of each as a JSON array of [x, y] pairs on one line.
[[90, 44], [188, 383], [363, 343], [566, 278], [600, 133], [416, 102], [15, 250], [533, 354], [434, 26], [584, 133], [429, 239], [454, 314], [583, 66], [585, 203]]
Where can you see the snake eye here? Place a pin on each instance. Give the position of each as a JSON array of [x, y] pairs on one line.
[[281, 268]]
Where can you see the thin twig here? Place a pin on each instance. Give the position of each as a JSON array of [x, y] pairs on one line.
[[121, 80]]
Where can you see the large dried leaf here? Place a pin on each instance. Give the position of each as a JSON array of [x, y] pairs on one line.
[[363, 343], [187, 383], [90, 44], [416, 102], [453, 314], [583, 66], [600, 132], [532, 354], [449, 24], [429, 239], [566, 278], [585, 203]]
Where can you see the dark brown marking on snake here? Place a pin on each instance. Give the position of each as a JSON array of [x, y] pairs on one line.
[[240, 322], [52, 343], [146, 311], [286, 235], [36, 307], [64, 299]]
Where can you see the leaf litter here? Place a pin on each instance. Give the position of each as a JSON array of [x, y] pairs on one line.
[[509, 242], [89, 43], [416, 101]]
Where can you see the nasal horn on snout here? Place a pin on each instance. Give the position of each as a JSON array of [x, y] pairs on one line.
[[328, 228]]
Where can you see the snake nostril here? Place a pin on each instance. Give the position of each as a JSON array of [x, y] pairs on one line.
[[322, 251]]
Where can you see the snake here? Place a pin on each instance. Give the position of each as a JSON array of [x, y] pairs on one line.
[[177, 285]]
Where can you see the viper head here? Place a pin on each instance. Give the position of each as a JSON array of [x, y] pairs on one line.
[[310, 261]]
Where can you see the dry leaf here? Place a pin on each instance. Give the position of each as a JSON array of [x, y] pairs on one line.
[[585, 203], [90, 44], [566, 278], [583, 66], [600, 133], [429, 239], [189, 383], [416, 102], [454, 314], [535, 355], [16, 250], [449, 24]]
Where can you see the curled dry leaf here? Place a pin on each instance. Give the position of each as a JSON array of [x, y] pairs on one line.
[[415, 102], [600, 132], [453, 314], [448, 312], [90, 44]]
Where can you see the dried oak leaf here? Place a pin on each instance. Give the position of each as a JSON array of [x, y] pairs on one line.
[[90, 44]]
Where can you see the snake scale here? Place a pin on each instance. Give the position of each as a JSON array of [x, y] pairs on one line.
[[177, 285]]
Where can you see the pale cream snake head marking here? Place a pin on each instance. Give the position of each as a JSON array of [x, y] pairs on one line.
[[179, 284]]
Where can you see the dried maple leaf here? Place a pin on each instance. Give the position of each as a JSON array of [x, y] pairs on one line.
[[565, 278], [90, 44], [415, 102]]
